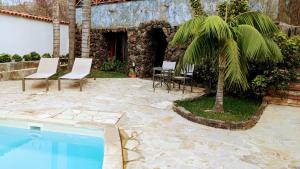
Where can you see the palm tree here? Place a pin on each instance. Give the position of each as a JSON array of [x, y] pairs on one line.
[[86, 26], [56, 29], [232, 42], [72, 31]]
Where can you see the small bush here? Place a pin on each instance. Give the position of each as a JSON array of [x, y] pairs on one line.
[[17, 58], [113, 65], [46, 55], [27, 57], [259, 85], [64, 59], [35, 56], [5, 58]]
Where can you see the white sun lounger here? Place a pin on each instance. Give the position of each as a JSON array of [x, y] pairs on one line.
[[47, 68], [81, 69]]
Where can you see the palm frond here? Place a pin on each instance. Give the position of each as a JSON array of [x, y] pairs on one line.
[[186, 31], [234, 74], [201, 47], [276, 55], [252, 44], [258, 20], [216, 27]]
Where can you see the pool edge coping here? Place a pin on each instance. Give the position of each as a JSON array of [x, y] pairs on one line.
[[113, 157]]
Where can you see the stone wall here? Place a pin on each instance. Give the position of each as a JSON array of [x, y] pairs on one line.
[[140, 49], [139, 45], [98, 47], [17, 70], [132, 13], [289, 12]]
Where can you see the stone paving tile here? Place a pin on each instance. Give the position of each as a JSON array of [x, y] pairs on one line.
[[154, 137]]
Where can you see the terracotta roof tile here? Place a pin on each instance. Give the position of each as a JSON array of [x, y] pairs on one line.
[[29, 16]]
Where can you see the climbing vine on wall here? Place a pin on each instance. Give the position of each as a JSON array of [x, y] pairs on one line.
[[197, 8]]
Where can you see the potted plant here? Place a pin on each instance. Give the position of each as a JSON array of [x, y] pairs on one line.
[[132, 71]]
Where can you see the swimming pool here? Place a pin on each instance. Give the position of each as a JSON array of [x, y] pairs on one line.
[[37, 149]]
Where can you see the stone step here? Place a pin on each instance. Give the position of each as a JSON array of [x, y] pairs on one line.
[[295, 95], [282, 101], [294, 87], [298, 79], [16, 74]]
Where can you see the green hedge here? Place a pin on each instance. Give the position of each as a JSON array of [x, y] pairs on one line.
[[17, 58], [32, 56], [5, 58]]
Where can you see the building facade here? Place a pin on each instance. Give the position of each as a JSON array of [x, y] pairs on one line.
[[23, 33], [140, 31]]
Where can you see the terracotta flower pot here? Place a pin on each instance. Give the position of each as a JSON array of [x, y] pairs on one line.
[[132, 75]]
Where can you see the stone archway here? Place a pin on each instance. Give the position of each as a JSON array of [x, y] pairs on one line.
[[147, 45], [156, 46]]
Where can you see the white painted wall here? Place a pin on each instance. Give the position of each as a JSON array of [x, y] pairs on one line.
[[21, 36]]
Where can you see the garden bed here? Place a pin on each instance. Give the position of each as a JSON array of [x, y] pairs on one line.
[[239, 113]]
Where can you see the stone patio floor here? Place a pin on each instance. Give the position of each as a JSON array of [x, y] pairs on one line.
[[154, 136]]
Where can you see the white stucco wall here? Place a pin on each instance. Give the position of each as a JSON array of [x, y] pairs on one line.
[[19, 35]]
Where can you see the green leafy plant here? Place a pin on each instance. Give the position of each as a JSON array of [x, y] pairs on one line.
[[17, 58], [27, 57], [197, 8], [5, 58], [113, 65], [35, 56], [132, 71], [230, 43], [64, 59], [46, 55], [233, 9], [259, 85], [282, 73]]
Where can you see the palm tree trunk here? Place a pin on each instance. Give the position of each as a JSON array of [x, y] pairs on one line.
[[72, 32], [219, 104], [56, 29], [86, 26]]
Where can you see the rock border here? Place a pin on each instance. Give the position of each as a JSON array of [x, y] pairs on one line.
[[244, 125]]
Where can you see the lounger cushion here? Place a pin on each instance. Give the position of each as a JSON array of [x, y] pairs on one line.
[[39, 76], [47, 68], [81, 68], [73, 76]]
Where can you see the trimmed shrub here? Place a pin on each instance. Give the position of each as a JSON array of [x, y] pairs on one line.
[[35, 56], [46, 55], [5, 58], [64, 59], [27, 57], [17, 58]]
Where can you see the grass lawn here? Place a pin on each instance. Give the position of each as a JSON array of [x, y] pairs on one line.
[[97, 74], [236, 109]]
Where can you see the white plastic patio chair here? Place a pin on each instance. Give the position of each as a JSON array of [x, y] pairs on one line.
[[81, 69], [47, 68]]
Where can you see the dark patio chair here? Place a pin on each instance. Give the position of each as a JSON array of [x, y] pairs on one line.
[[186, 75], [164, 74]]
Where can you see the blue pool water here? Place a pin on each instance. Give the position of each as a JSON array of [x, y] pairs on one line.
[[31, 149]]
